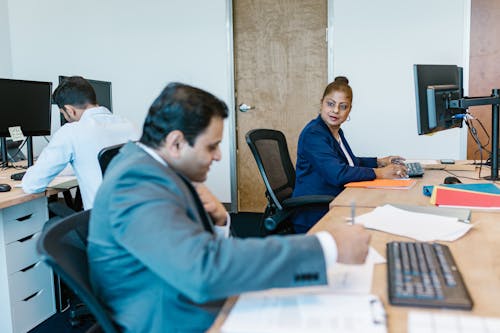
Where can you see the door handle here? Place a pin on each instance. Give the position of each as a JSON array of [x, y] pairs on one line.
[[244, 107]]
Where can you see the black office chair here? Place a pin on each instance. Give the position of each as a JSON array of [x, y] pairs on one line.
[[106, 155], [270, 151], [63, 246]]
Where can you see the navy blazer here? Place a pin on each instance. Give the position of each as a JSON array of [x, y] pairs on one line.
[[322, 168], [158, 267]]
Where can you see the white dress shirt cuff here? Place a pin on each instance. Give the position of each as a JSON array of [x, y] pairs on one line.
[[222, 231], [329, 247]]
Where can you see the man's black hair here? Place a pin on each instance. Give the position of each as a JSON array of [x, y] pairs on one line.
[[184, 108], [74, 91]]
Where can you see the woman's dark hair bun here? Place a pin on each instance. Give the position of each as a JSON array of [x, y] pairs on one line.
[[341, 79]]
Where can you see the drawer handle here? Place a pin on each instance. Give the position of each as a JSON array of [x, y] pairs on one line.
[[24, 218], [32, 296], [27, 238], [25, 269]]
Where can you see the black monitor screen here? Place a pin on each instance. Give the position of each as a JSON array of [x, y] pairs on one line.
[[434, 85], [102, 91], [26, 104]]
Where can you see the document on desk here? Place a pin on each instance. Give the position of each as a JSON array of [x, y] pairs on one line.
[[419, 226], [265, 312], [352, 279], [63, 182], [435, 322]]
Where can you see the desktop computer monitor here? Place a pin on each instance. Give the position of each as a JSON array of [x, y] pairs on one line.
[[26, 104], [435, 87], [102, 91]]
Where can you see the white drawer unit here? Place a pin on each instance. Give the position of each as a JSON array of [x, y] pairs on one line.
[[26, 284]]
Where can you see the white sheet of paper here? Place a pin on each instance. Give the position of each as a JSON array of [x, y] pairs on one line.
[[301, 313], [435, 322], [348, 279], [67, 181], [422, 227]]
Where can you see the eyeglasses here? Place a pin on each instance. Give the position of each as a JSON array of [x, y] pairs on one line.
[[341, 106]]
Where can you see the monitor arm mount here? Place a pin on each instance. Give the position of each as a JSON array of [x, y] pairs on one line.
[[493, 100]]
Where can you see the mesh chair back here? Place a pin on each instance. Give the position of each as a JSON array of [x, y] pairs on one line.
[[270, 151], [63, 246], [106, 155]]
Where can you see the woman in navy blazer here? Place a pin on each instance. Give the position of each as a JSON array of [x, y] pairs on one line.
[[325, 162]]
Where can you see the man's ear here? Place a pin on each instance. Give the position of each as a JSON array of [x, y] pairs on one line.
[[70, 110], [174, 143]]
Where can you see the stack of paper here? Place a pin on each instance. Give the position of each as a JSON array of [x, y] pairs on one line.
[[343, 306], [477, 196], [384, 183], [422, 227], [303, 313]]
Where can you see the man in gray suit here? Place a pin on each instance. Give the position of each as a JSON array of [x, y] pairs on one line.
[[159, 254]]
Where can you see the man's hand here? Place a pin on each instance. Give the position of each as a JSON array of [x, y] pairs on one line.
[[211, 204], [352, 242]]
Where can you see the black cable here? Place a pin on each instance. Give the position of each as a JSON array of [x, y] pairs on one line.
[[473, 133], [459, 177]]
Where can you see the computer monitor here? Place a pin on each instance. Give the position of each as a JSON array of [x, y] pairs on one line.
[[435, 87], [26, 104], [102, 91]]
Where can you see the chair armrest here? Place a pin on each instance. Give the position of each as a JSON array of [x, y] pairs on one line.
[[292, 204], [307, 200]]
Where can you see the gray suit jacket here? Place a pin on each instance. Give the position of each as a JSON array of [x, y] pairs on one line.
[[159, 269]]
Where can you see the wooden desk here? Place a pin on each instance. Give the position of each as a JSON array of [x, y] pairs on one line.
[[16, 195], [26, 283], [379, 197], [476, 254]]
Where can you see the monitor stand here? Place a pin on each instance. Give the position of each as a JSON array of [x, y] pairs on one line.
[[29, 150], [4, 150], [5, 158], [494, 138], [493, 100]]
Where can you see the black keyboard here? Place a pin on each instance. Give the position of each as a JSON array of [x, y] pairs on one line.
[[17, 176], [425, 274], [414, 169]]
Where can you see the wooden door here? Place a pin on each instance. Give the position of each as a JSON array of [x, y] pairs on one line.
[[281, 70], [484, 71]]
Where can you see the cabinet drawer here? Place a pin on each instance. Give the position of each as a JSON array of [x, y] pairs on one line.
[[30, 312], [28, 207], [21, 254], [26, 282], [25, 225]]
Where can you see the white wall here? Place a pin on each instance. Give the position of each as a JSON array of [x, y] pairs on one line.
[[138, 45], [375, 44], [5, 59]]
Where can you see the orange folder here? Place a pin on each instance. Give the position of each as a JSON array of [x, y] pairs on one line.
[[384, 183]]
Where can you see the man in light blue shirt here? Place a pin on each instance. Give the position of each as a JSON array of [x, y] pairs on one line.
[[90, 128]]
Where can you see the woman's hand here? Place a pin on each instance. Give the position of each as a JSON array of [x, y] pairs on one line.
[[385, 161], [391, 171]]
